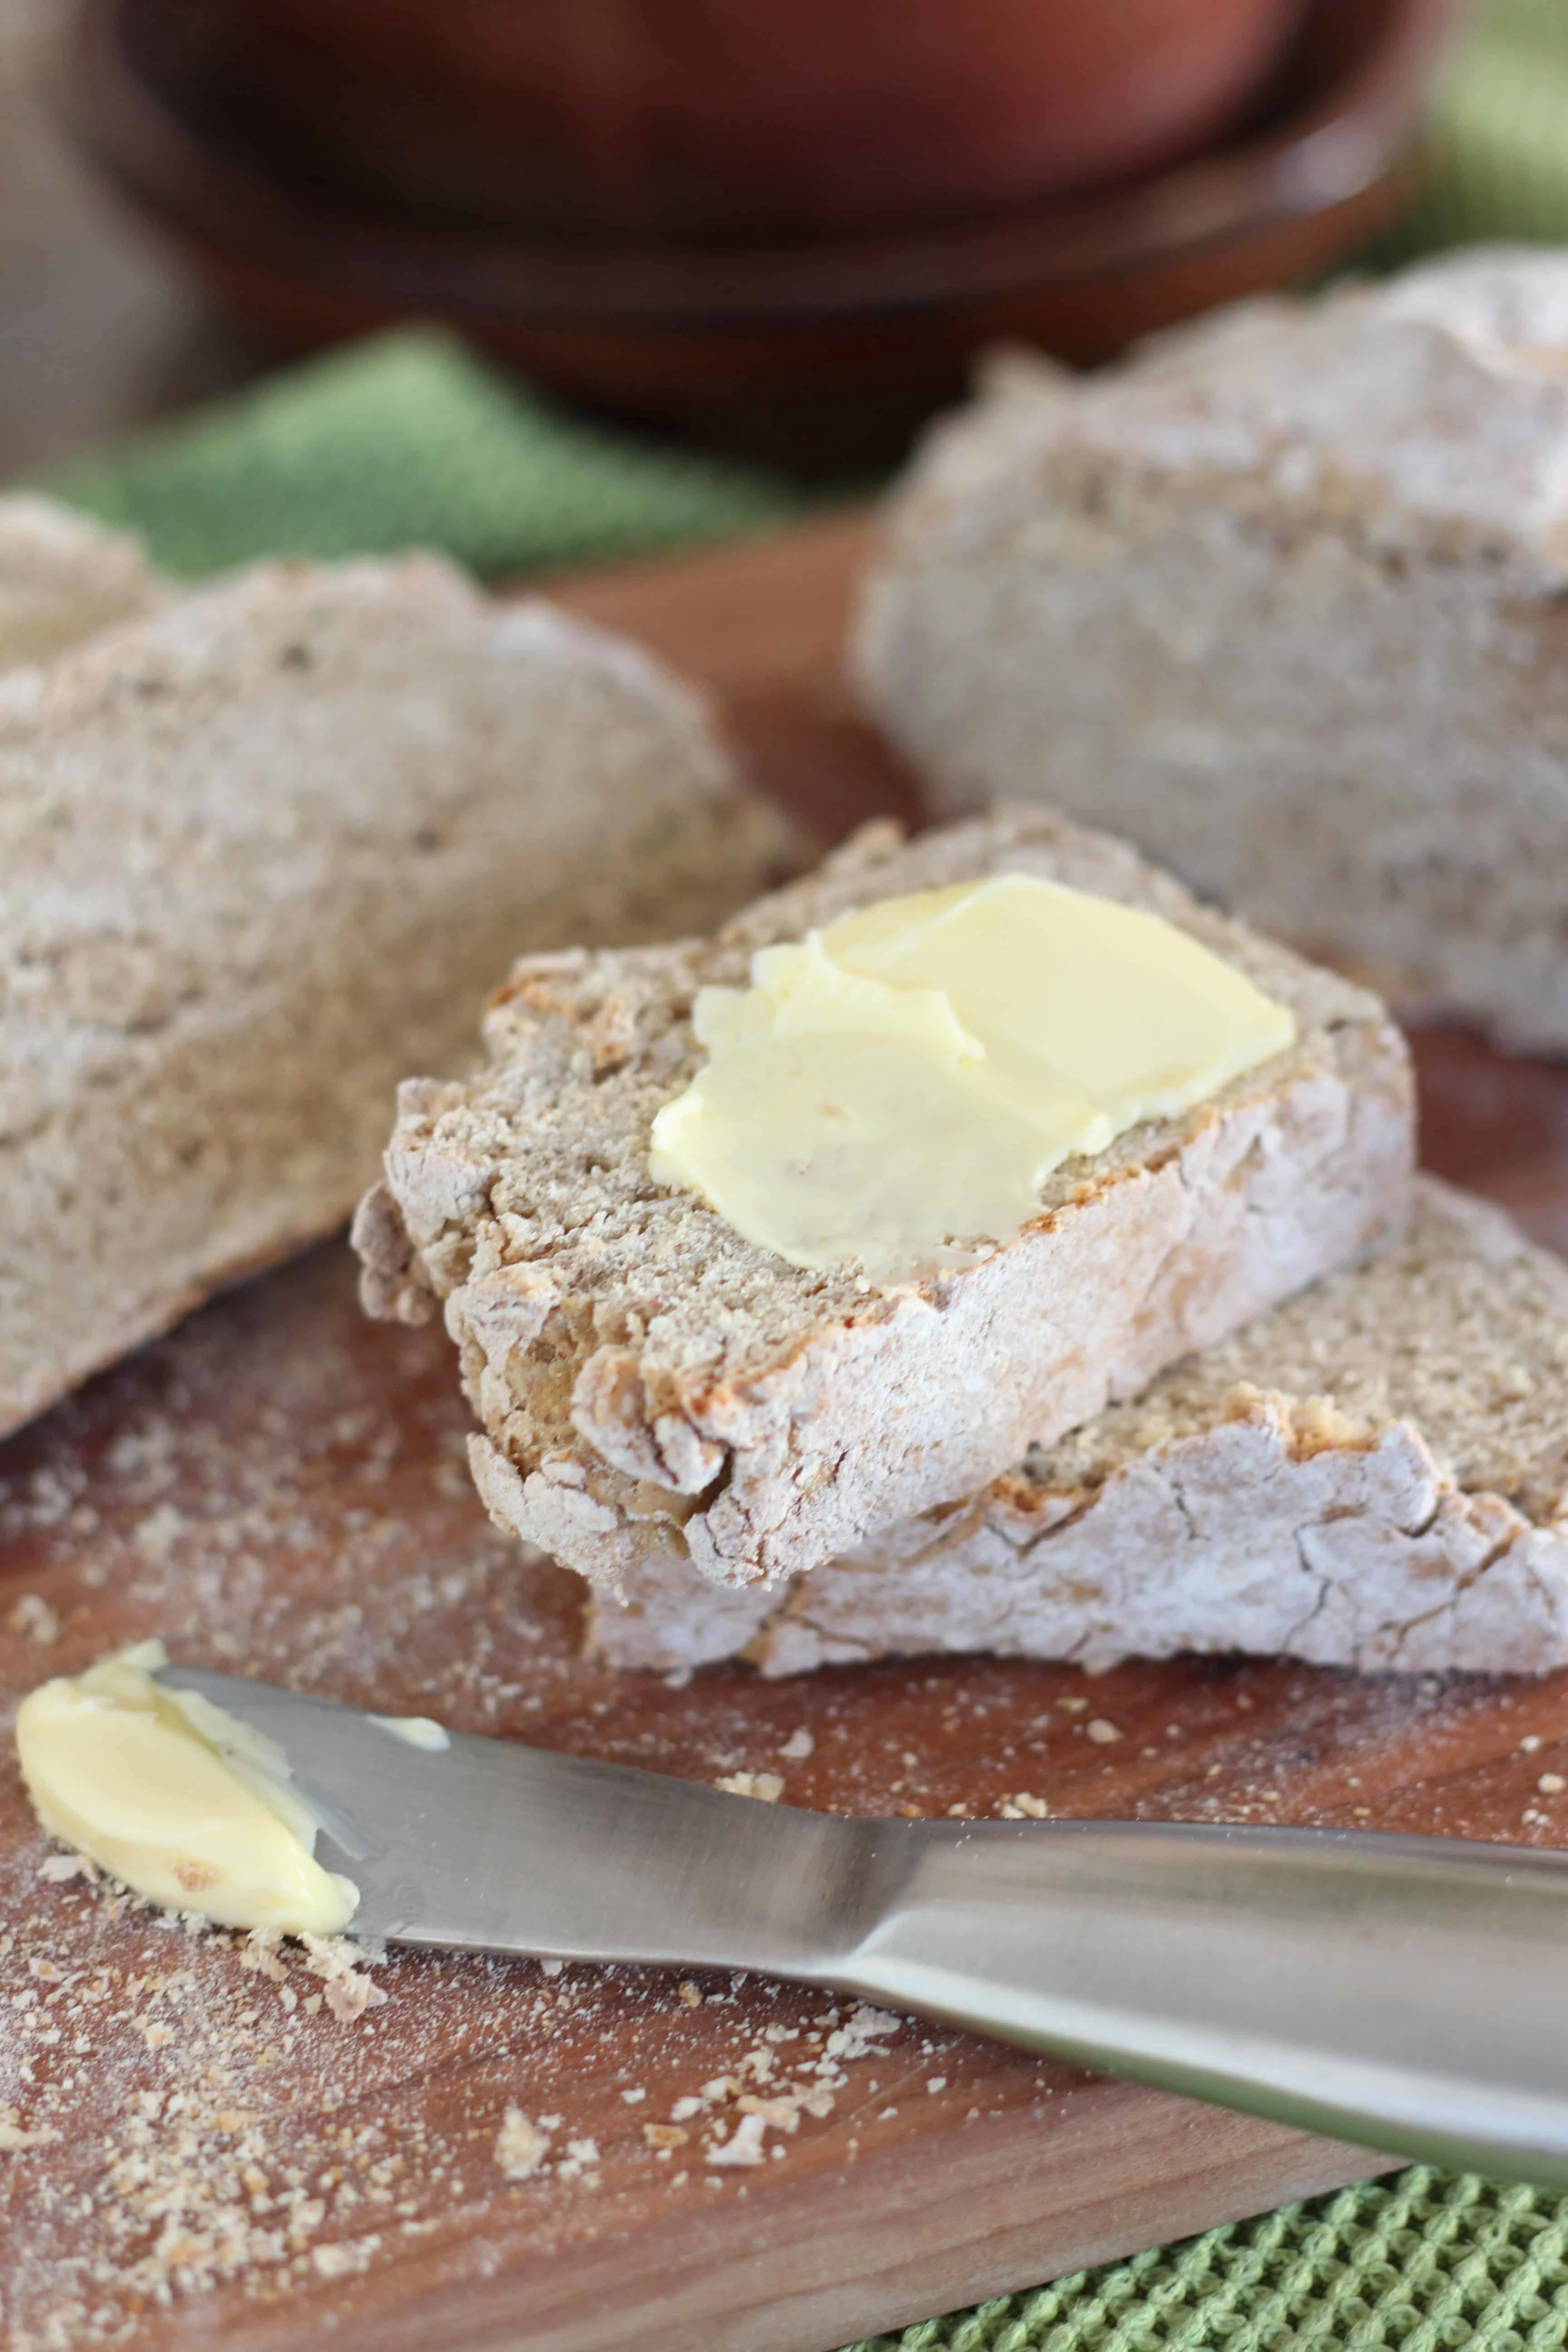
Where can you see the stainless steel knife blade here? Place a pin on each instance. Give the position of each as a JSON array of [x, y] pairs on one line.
[[1406, 1993]]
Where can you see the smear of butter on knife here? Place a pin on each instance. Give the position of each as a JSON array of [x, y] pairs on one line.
[[180, 1799]]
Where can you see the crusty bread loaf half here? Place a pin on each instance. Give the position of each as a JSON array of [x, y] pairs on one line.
[[651, 1384], [1284, 602], [259, 855], [1374, 1476], [61, 577]]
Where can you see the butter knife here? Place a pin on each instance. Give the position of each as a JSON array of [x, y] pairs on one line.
[[1408, 1993]]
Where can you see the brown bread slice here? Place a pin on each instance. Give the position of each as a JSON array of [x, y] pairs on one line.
[[1283, 601], [1375, 1474], [259, 854], [652, 1385]]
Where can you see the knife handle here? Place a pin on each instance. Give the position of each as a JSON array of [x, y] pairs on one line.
[[1407, 1993]]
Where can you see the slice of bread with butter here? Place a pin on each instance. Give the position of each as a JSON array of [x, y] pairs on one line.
[[1374, 1476], [1285, 601], [689, 1334]]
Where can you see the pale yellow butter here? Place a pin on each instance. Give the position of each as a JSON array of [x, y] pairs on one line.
[[893, 1091], [184, 1803]]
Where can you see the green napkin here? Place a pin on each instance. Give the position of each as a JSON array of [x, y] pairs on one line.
[[1427, 2262], [408, 439]]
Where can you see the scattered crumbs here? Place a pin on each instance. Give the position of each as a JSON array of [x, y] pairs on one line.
[[1244, 1702], [887, 2114], [678, 1678], [1532, 1741], [34, 1619], [766, 1786], [1074, 1704], [634, 2098], [742, 2147], [580, 2161], [340, 1964], [665, 2136], [1101, 1732], [521, 2147], [15, 2135], [1024, 1807], [689, 1994], [686, 2107], [797, 1747], [960, 1813], [1551, 1784], [935, 2082], [56, 1868]]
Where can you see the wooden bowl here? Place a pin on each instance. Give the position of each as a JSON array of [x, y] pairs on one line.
[[721, 120], [820, 353]]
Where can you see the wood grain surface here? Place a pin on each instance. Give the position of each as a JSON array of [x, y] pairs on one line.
[[199, 2141]]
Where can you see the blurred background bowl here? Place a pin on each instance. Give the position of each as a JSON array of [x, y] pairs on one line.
[[795, 254], [719, 120]]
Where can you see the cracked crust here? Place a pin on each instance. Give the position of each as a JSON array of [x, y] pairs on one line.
[[1374, 1476], [259, 855], [1282, 601], [649, 1383]]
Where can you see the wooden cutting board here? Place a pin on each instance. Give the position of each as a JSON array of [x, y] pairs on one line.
[[196, 2149]]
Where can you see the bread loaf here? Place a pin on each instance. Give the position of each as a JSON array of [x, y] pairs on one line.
[[259, 854], [1284, 602], [649, 1384], [1375, 1474], [61, 577]]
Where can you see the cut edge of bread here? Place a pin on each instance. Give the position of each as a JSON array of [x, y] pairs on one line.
[[1267, 1522]]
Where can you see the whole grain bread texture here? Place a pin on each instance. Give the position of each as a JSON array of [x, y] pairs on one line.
[[1374, 1475], [649, 1384], [61, 577], [1282, 599], [258, 854]]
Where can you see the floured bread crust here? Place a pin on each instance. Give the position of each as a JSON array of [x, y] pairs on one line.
[[1282, 601], [260, 854], [649, 1384], [61, 577], [1374, 1476]]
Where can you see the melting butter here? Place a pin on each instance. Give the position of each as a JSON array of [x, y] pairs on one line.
[[893, 1091], [184, 1802]]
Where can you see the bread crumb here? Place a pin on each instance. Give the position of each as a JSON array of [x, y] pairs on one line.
[[32, 1617], [1101, 1732], [56, 1868], [1531, 1743], [634, 2098], [797, 1747], [936, 2083], [665, 2135], [521, 2147], [744, 2146], [767, 1787], [1551, 1784]]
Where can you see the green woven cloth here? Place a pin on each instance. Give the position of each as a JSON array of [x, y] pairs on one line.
[[1427, 2262], [408, 439]]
